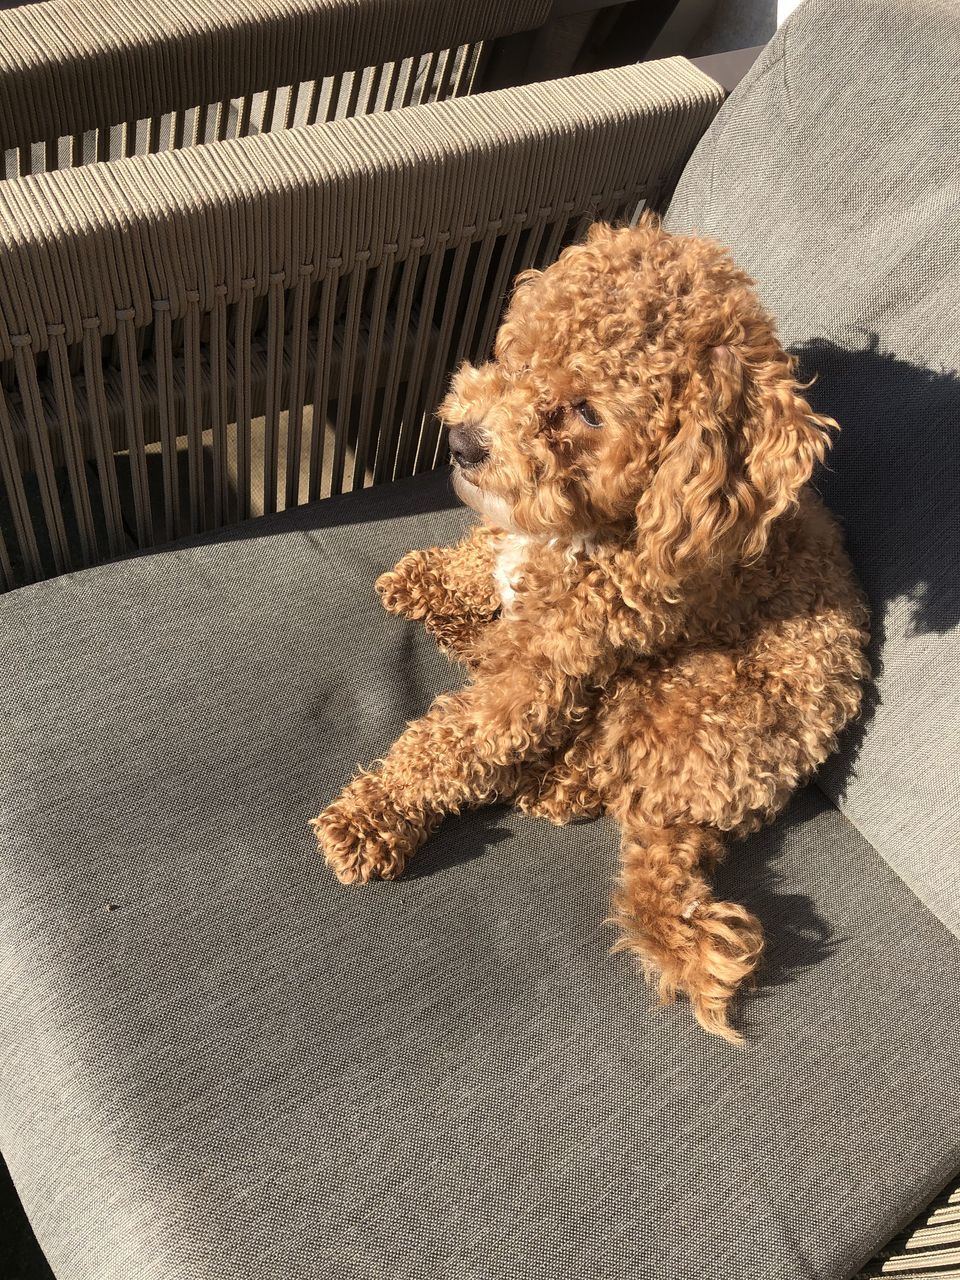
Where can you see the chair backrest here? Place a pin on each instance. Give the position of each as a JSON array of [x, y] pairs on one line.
[[89, 80], [833, 173], [192, 336]]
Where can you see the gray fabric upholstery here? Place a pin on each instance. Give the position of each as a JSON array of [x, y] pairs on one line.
[[832, 174], [218, 1062]]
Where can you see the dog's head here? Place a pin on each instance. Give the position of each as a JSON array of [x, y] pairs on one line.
[[638, 391]]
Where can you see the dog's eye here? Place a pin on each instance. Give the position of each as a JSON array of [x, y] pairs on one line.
[[587, 414]]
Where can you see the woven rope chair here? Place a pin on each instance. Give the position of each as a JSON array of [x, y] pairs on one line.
[[192, 334]]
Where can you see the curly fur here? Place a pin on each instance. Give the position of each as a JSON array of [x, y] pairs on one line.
[[657, 613]]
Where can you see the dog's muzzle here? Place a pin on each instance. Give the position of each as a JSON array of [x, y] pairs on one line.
[[467, 446]]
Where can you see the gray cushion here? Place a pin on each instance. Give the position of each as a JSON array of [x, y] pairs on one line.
[[832, 174], [218, 1062]]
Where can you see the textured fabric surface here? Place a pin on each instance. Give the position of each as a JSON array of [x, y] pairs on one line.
[[216, 1061], [832, 175]]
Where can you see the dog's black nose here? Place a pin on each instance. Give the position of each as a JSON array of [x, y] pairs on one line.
[[467, 447]]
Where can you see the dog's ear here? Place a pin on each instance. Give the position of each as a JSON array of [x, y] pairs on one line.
[[743, 443]]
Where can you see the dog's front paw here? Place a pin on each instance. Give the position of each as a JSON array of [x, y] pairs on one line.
[[405, 589], [361, 837], [459, 637], [355, 849], [395, 595]]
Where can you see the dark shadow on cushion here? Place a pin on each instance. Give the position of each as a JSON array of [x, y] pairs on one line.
[[893, 477], [416, 495], [893, 474], [22, 1256]]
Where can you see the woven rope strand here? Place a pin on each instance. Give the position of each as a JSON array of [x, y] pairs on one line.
[[300, 334], [42, 457], [242, 346], [219, 407], [73, 449], [386, 444], [321, 380], [194, 408], [133, 416], [378, 317], [103, 447], [16, 496], [346, 381], [166, 408], [426, 445], [274, 391], [6, 566]]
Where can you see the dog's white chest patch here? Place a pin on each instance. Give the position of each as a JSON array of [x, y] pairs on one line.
[[507, 572], [513, 554]]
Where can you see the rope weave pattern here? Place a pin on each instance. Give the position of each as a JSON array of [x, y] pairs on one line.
[[930, 1246], [93, 80], [193, 337]]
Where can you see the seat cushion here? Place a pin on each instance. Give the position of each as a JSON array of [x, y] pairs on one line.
[[217, 1061], [832, 175]]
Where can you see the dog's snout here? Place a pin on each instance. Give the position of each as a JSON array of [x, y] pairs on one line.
[[467, 445]]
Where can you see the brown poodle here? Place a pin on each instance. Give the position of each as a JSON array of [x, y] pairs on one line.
[[657, 613]]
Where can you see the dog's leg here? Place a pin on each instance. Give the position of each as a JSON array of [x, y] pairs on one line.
[[469, 749], [568, 787], [686, 940], [450, 589]]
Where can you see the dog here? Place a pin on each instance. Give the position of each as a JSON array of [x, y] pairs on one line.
[[656, 611]]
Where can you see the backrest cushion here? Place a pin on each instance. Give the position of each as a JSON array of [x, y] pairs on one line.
[[833, 174]]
